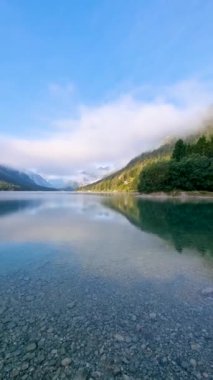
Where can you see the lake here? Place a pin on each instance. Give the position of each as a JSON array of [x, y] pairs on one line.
[[105, 287]]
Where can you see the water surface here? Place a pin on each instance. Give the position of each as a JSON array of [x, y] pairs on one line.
[[105, 287]]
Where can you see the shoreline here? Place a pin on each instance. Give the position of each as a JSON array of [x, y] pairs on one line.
[[183, 195]]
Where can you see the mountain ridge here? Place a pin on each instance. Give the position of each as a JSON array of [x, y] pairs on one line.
[[126, 178], [14, 179]]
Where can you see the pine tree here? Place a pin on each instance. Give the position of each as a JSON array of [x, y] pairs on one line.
[[179, 150]]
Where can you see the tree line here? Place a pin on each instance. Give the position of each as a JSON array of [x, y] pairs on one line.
[[190, 168]]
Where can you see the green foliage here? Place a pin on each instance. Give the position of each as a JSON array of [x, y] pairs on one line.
[[179, 150], [154, 177], [132, 176], [127, 179], [191, 168], [8, 186], [191, 173]]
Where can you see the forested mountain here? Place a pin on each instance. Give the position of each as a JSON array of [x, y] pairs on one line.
[[190, 168], [129, 178], [12, 179]]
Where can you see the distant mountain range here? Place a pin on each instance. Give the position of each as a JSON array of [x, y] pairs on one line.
[[13, 179], [126, 179], [39, 180], [63, 184]]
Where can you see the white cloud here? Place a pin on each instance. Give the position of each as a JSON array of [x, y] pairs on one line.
[[111, 133]]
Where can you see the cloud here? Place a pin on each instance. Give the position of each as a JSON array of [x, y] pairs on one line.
[[110, 134]]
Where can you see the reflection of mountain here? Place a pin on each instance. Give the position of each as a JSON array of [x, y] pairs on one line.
[[13, 206], [186, 225]]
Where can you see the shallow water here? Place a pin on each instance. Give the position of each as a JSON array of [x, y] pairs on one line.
[[120, 287]]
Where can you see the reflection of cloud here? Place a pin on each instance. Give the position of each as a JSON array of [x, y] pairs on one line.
[[112, 132]]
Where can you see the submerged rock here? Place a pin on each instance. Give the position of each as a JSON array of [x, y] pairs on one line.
[[65, 362], [207, 292], [119, 337], [153, 316], [31, 347]]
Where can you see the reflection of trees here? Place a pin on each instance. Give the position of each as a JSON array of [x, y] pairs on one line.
[[186, 225], [13, 206]]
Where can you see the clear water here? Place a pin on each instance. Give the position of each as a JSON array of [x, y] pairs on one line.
[[117, 285]]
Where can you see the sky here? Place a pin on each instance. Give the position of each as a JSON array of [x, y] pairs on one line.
[[86, 85]]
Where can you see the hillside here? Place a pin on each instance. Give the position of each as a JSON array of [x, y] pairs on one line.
[[12, 179], [127, 178]]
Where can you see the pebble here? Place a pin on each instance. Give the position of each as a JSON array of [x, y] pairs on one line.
[[71, 305], [208, 292], [195, 346], [29, 298], [31, 347], [66, 362], [119, 337], [81, 374], [119, 342], [205, 375], [2, 309], [25, 366], [193, 362], [152, 316]]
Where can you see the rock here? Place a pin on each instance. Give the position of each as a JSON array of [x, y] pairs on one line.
[[81, 374], [15, 373], [116, 371], [40, 358], [71, 305], [2, 309], [119, 337], [184, 364], [31, 347], [207, 292], [205, 375], [195, 346], [29, 298], [125, 360], [193, 362], [54, 352], [125, 377], [139, 327], [25, 366], [66, 362], [152, 316]]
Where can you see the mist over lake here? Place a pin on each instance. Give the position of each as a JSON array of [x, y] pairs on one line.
[[104, 287]]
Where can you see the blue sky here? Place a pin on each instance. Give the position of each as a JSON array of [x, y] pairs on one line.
[[61, 61]]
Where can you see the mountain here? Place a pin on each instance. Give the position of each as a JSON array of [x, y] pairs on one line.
[[13, 179], [39, 180], [62, 184], [126, 179]]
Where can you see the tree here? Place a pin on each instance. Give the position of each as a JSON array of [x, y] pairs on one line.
[[179, 150], [201, 146], [154, 177], [191, 173]]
